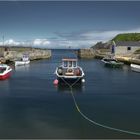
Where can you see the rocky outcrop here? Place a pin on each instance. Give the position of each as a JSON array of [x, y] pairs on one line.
[[34, 54]]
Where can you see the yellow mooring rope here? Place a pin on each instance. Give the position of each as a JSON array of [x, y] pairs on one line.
[[93, 121]]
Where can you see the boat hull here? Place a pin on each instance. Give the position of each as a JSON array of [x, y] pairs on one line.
[[5, 76], [113, 65], [20, 63], [69, 80], [135, 68]]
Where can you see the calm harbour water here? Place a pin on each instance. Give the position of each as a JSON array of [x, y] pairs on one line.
[[32, 107]]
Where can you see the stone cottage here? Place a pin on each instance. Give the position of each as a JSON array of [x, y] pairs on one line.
[[126, 47]]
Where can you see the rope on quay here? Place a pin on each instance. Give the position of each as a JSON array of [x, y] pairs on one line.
[[93, 121]]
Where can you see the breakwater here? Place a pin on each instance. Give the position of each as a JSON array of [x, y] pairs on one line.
[[15, 53], [92, 53]]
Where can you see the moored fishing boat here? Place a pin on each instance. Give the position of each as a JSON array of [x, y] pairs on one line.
[[5, 71], [69, 72], [112, 62], [135, 67], [25, 60]]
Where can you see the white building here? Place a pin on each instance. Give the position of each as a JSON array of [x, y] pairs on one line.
[[126, 47]]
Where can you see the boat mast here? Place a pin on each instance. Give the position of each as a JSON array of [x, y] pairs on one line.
[[3, 40], [69, 47]]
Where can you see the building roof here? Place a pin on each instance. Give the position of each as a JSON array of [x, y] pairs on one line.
[[128, 43]]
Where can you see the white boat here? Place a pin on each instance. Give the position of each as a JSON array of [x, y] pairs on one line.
[[25, 60], [5, 71], [69, 71], [135, 67], [19, 63]]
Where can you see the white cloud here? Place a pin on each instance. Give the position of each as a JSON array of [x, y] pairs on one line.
[[10, 42], [41, 42], [35, 42]]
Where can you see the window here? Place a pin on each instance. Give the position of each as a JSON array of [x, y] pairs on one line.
[[65, 64], [74, 63], [2, 70], [128, 48], [70, 63]]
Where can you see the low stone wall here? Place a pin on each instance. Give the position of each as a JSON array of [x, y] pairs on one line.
[[34, 54], [92, 53], [86, 53]]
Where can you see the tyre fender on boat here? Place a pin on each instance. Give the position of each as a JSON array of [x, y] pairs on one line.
[[60, 71], [70, 70], [77, 72]]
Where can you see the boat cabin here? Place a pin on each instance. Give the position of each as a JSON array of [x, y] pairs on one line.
[[25, 57], [69, 68], [69, 63]]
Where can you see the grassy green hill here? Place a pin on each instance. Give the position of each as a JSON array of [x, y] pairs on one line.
[[127, 37]]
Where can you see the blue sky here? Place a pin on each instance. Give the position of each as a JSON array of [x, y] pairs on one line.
[[56, 24]]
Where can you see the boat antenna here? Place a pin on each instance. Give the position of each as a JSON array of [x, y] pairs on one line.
[[3, 40]]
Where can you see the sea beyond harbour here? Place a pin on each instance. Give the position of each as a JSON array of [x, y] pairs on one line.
[[32, 107]]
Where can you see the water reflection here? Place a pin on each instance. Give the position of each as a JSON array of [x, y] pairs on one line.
[[126, 68], [22, 67], [4, 87], [78, 88]]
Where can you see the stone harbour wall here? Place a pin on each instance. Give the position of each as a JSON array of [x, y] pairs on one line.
[[16, 54]]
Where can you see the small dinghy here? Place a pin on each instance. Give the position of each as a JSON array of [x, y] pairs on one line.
[[5, 71], [135, 67], [69, 72], [25, 60]]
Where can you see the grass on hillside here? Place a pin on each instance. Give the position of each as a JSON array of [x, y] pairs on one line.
[[127, 37]]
